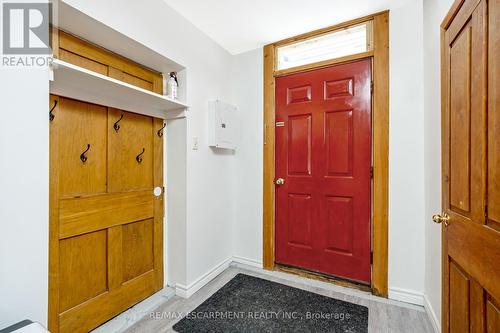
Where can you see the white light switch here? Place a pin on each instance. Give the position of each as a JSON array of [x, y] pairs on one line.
[[195, 143]]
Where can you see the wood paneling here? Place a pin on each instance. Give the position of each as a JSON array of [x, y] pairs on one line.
[[380, 123], [82, 53], [380, 54], [460, 89], [135, 135], [87, 214], [134, 80], [459, 300], [115, 258], [106, 225], [492, 316], [87, 122], [79, 256], [54, 279], [83, 318], [471, 243], [137, 248], [269, 141], [158, 205], [494, 117], [89, 64]]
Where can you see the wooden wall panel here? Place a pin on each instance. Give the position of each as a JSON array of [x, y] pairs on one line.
[[87, 214], [83, 62], [137, 248], [460, 121], [79, 256], [85, 54], [135, 136], [134, 80], [459, 300], [494, 117], [106, 226], [492, 316], [85, 124]]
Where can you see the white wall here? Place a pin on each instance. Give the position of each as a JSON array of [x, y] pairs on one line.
[[24, 174], [434, 12], [406, 211], [406, 152], [24, 198], [247, 93], [175, 232]]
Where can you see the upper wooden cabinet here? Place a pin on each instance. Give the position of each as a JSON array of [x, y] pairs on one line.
[[77, 51]]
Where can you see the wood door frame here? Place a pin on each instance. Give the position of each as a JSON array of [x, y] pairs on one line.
[[380, 143]]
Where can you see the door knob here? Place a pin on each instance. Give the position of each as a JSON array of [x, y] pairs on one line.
[[441, 218], [279, 181]]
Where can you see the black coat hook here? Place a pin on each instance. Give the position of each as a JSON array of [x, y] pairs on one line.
[[138, 158], [51, 115], [160, 131], [83, 156], [116, 126]]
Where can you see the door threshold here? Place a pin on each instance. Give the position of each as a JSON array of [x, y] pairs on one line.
[[321, 277]]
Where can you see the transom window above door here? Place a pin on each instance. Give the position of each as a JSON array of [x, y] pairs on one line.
[[333, 44]]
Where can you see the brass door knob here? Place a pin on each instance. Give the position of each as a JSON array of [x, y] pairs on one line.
[[279, 181], [441, 218]]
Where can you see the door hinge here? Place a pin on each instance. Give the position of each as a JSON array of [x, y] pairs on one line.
[[371, 257], [371, 87], [371, 172]]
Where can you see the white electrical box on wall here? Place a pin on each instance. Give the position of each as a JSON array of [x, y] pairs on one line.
[[222, 125]]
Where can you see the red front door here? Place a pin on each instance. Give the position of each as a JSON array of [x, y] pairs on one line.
[[323, 157]]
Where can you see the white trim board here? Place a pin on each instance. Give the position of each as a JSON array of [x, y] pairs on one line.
[[187, 291], [432, 315], [410, 298], [248, 262], [407, 296]]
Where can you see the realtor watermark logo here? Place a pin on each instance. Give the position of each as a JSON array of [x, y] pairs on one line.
[[26, 38]]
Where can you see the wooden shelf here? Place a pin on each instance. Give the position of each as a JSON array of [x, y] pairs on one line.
[[82, 84]]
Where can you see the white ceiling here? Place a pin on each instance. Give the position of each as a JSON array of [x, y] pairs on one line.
[[243, 25]]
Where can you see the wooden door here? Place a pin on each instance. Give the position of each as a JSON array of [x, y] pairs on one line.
[[323, 162], [471, 168], [105, 222]]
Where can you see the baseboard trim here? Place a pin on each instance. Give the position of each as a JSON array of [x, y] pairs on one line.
[[407, 296], [432, 315], [397, 294], [187, 291], [247, 261]]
